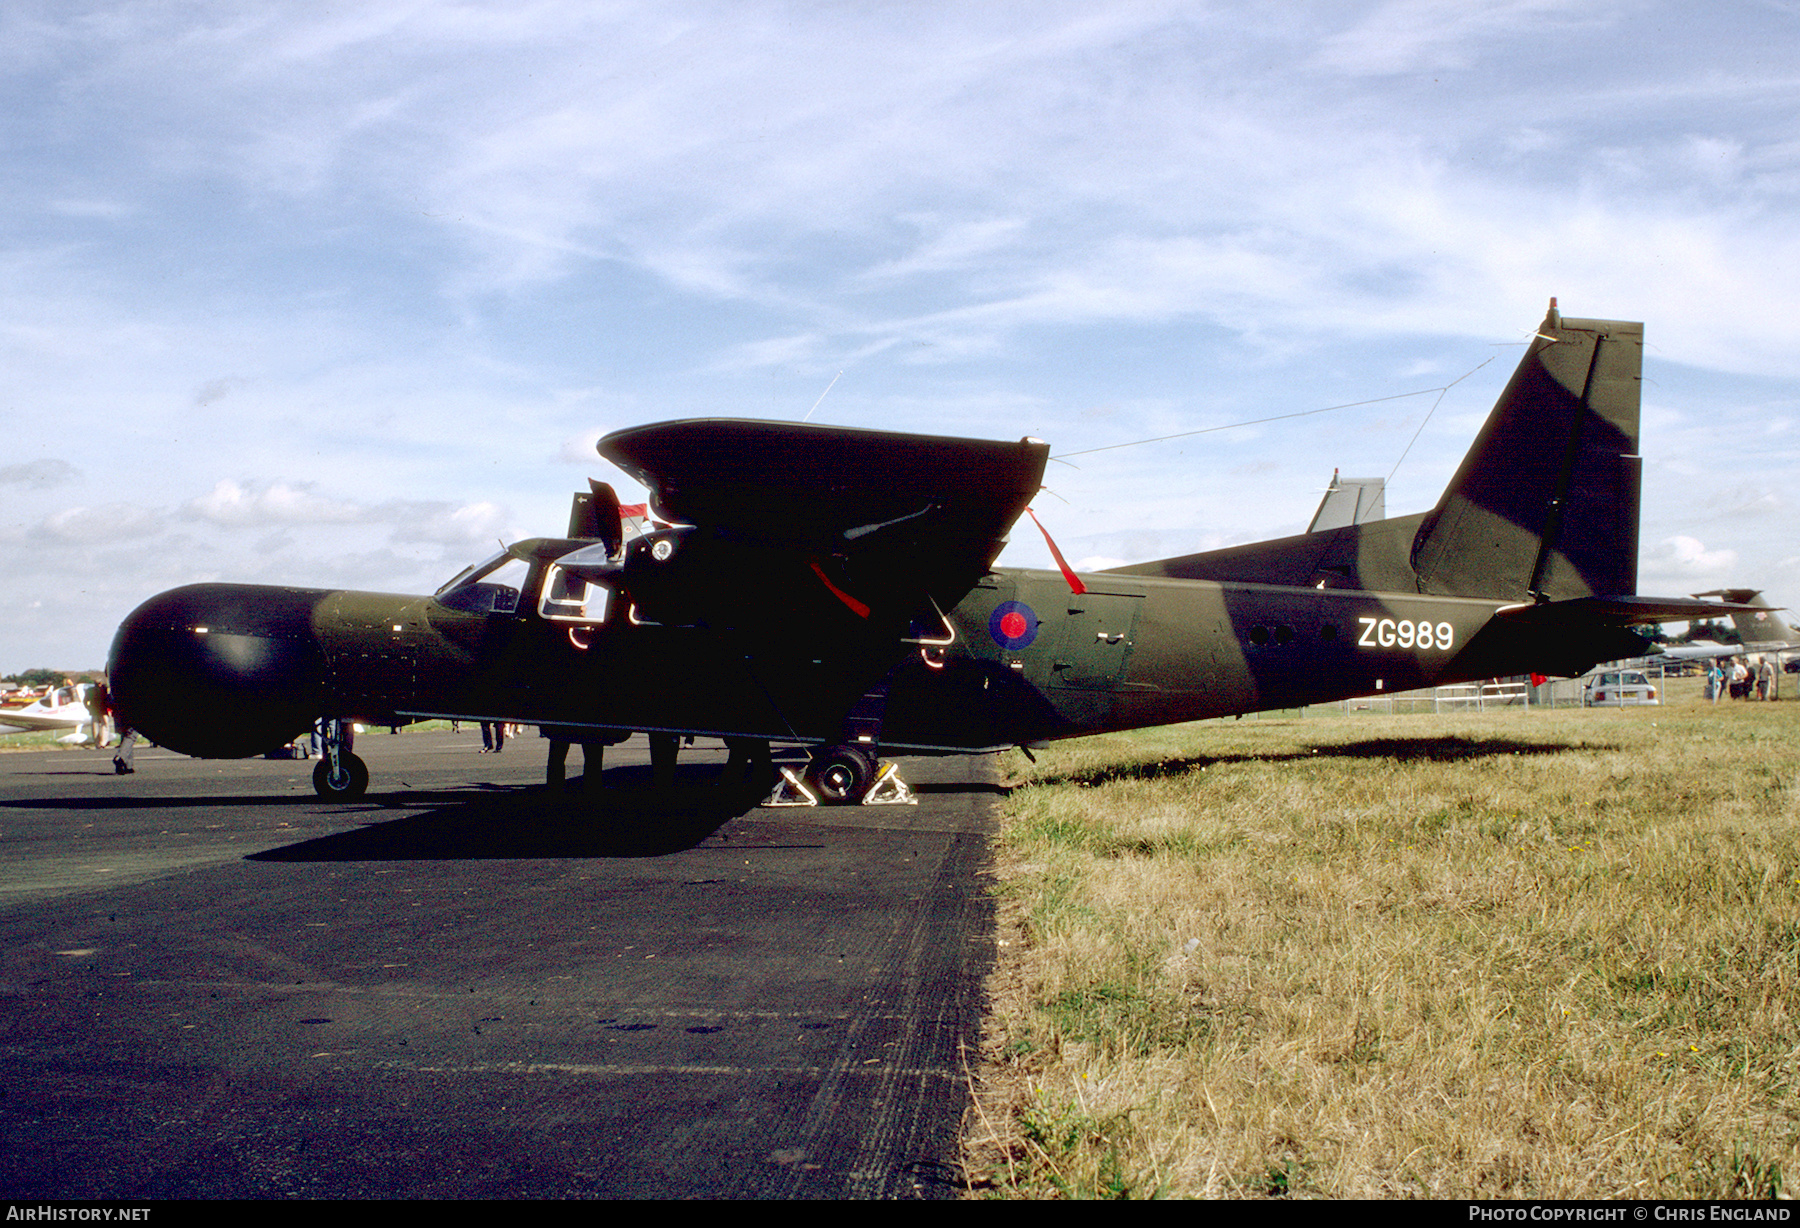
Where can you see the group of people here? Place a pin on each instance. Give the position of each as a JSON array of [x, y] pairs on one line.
[[1742, 679]]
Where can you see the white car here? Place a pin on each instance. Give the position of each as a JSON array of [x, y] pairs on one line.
[[1617, 689]]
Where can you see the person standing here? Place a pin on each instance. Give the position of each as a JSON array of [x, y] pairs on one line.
[[124, 759], [98, 703], [556, 762]]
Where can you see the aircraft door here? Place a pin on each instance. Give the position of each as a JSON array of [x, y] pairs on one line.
[[568, 598], [1092, 647], [1095, 640]]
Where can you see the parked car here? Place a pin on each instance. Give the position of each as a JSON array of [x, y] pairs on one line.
[[1618, 688]]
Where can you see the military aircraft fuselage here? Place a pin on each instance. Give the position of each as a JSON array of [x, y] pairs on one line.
[[221, 670], [833, 587]]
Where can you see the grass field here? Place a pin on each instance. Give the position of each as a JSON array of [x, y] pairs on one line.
[[29, 741], [1513, 955]]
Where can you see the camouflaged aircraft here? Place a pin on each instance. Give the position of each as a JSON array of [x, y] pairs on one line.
[[834, 589]]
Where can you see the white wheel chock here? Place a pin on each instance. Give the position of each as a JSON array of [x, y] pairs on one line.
[[790, 790], [889, 789]]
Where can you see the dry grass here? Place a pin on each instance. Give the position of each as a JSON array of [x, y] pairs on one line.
[[1541, 955]]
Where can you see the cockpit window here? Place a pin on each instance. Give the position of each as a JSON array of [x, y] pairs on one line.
[[467, 572], [492, 587]]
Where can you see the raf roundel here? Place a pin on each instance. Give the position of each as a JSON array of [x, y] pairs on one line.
[[1013, 624]]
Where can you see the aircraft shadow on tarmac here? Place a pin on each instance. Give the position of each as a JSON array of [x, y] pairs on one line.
[[629, 818], [1448, 749]]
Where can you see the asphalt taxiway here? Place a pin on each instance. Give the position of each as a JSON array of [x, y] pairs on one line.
[[217, 985]]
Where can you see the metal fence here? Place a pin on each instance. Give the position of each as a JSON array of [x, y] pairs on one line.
[[1497, 693]]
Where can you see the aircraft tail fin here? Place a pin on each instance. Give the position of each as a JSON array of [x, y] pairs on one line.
[[1759, 625], [1545, 505], [1350, 501]]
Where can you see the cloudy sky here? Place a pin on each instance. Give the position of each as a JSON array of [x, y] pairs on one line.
[[340, 295]]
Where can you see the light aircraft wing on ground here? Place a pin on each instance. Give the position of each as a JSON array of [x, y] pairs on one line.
[[834, 589], [64, 710]]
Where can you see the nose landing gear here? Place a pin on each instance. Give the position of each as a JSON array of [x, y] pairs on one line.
[[340, 776]]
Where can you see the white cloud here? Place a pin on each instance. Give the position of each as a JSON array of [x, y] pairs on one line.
[[234, 503], [39, 474], [109, 522], [1686, 560], [1422, 36], [472, 524]]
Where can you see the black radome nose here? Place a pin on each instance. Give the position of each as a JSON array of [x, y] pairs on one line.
[[219, 671]]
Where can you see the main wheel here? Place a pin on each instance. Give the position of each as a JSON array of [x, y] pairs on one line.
[[348, 783], [840, 775]]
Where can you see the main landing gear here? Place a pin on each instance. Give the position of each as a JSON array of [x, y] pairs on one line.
[[340, 776], [842, 775], [849, 773]]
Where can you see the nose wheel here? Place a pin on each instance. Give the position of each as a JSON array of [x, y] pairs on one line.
[[350, 780], [340, 776]]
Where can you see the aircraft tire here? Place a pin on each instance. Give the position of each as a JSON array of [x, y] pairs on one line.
[[352, 782], [840, 775]]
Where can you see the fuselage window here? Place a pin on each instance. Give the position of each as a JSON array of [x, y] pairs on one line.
[[569, 598]]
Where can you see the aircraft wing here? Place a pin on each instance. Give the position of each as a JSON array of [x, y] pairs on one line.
[[1758, 624], [14, 720], [880, 518]]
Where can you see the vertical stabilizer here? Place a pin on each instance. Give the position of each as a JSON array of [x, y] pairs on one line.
[[1545, 505], [1758, 628], [1350, 501]]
